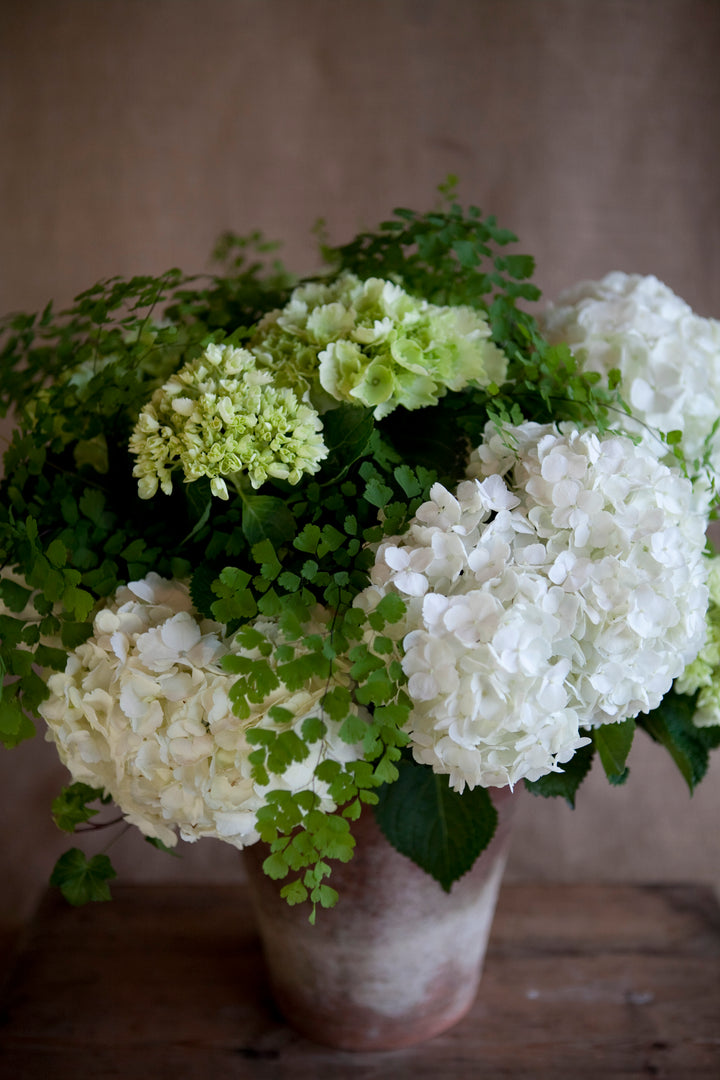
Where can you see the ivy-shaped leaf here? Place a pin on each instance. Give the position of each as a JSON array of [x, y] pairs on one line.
[[70, 808], [83, 880]]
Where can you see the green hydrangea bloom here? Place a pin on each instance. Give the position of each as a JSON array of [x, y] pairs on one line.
[[703, 673], [222, 417], [371, 343]]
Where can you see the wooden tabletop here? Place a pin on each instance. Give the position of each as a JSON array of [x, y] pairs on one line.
[[167, 983]]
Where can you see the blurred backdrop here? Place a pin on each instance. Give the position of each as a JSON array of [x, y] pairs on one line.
[[133, 131]]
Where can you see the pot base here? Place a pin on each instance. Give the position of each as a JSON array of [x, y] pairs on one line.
[[398, 960]]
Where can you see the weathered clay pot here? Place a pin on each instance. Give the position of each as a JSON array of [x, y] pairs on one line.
[[398, 960]]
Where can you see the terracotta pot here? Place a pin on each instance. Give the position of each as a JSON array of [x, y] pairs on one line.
[[398, 960]]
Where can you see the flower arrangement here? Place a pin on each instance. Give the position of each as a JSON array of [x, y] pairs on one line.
[[277, 550]]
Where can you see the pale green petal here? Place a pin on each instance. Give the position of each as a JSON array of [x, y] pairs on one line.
[[376, 387], [327, 339], [231, 421]]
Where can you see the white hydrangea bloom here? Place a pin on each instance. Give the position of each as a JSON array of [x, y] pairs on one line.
[[703, 674], [220, 416], [669, 357], [562, 586], [142, 711], [371, 343]]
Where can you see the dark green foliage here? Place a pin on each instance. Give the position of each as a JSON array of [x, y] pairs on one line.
[[72, 523], [70, 809], [82, 880], [438, 828], [613, 742], [672, 726], [566, 783]]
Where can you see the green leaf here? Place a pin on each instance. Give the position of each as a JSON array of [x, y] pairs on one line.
[[407, 480], [390, 610], [377, 493], [308, 539], [199, 503], [92, 505], [613, 742], [15, 596], [671, 725], [73, 634], [566, 783], [70, 807], [157, 843], [265, 517], [276, 866], [353, 729], [346, 432], [57, 553], [15, 726], [294, 892], [438, 828], [519, 266], [81, 880], [51, 658], [313, 729]]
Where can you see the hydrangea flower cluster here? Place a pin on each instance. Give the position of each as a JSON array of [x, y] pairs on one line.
[[142, 711], [561, 587], [668, 357], [371, 343], [220, 416], [703, 674]]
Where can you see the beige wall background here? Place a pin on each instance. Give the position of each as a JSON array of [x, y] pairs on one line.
[[132, 133]]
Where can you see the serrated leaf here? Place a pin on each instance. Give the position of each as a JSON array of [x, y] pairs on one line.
[[81, 880], [265, 517], [566, 783], [346, 433], [613, 742], [199, 503], [438, 828], [671, 724]]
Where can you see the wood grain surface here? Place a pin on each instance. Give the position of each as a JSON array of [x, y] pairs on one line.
[[168, 982]]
